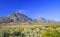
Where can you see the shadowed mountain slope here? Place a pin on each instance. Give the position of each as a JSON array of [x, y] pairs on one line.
[[19, 17], [15, 17]]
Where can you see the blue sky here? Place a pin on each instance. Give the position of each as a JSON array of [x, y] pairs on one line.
[[49, 9]]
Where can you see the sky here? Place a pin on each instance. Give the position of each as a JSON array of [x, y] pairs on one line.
[[49, 9]]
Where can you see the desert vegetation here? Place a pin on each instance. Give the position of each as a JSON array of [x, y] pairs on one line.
[[30, 31]]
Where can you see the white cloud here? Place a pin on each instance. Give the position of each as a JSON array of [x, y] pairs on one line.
[[22, 11]]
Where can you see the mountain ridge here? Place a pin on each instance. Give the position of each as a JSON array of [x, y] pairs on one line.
[[15, 17], [19, 17]]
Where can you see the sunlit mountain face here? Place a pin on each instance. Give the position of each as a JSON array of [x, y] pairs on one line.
[[15, 17], [19, 17]]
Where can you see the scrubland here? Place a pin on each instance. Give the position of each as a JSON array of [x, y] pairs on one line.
[[51, 30]]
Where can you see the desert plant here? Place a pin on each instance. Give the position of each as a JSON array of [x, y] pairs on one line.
[[5, 34], [17, 33]]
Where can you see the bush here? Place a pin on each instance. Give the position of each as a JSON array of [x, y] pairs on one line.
[[51, 33], [17, 33], [5, 34]]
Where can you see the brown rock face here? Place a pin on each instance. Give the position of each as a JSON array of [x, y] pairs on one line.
[[27, 23]]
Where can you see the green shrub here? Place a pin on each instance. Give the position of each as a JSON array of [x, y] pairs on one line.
[[5, 34], [17, 33]]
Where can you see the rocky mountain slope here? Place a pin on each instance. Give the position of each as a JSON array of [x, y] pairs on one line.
[[15, 17], [19, 17]]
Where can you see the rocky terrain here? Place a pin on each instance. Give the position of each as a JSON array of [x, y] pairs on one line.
[[19, 17]]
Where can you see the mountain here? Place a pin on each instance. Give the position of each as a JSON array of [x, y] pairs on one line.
[[19, 17], [15, 17], [41, 20]]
